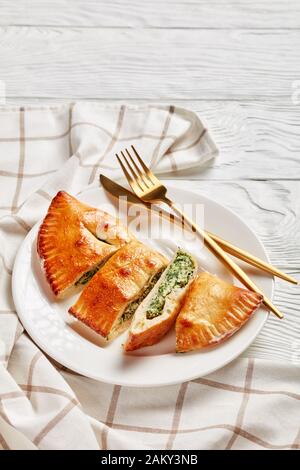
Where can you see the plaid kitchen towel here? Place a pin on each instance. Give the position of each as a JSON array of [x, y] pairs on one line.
[[43, 406]]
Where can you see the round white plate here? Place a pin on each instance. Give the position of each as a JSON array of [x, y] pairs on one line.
[[75, 346]]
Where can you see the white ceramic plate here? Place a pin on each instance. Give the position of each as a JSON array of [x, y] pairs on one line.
[[77, 347]]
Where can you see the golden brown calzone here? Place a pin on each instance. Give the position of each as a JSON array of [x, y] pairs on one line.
[[74, 239], [108, 302], [157, 313], [212, 311]]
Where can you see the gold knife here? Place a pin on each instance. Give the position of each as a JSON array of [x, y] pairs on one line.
[[117, 191]]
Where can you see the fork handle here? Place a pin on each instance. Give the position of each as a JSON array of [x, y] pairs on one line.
[[224, 258], [250, 259]]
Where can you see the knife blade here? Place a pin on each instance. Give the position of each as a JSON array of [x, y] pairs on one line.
[[117, 191]]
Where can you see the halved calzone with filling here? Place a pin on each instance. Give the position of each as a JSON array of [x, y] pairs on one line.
[[107, 304], [212, 311], [157, 313], [74, 239]]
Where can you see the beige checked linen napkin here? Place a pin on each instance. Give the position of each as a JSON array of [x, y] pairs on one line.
[[250, 404]]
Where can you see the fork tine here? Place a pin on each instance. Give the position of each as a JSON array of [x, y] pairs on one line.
[[135, 177], [129, 178], [144, 177], [147, 170], [131, 169]]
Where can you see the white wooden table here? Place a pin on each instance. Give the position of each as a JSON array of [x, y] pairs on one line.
[[236, 62]]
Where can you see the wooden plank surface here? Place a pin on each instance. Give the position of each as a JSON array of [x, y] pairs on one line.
[[149, 64], [155, 14], [257, 140]]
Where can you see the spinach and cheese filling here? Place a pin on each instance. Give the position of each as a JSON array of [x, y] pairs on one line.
[[132, 307], [87, 276], [178, 275]]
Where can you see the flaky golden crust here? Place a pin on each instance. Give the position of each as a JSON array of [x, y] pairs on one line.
[[119, 282], [212, 311], [67, 243], [152, 335], [146, 332]]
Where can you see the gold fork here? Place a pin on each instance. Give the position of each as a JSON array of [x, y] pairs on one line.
[[117, 191], [148, 188]]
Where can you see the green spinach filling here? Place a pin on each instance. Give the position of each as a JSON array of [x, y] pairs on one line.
[[132, 307], [178, 275], [87, 276]]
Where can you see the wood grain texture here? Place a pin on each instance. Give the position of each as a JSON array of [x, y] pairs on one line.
[[154, 14], [257, 140], [153, 64]]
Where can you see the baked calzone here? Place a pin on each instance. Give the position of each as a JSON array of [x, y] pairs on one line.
[[212, 311], [74, 239], [107, 304], [157, 313]]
